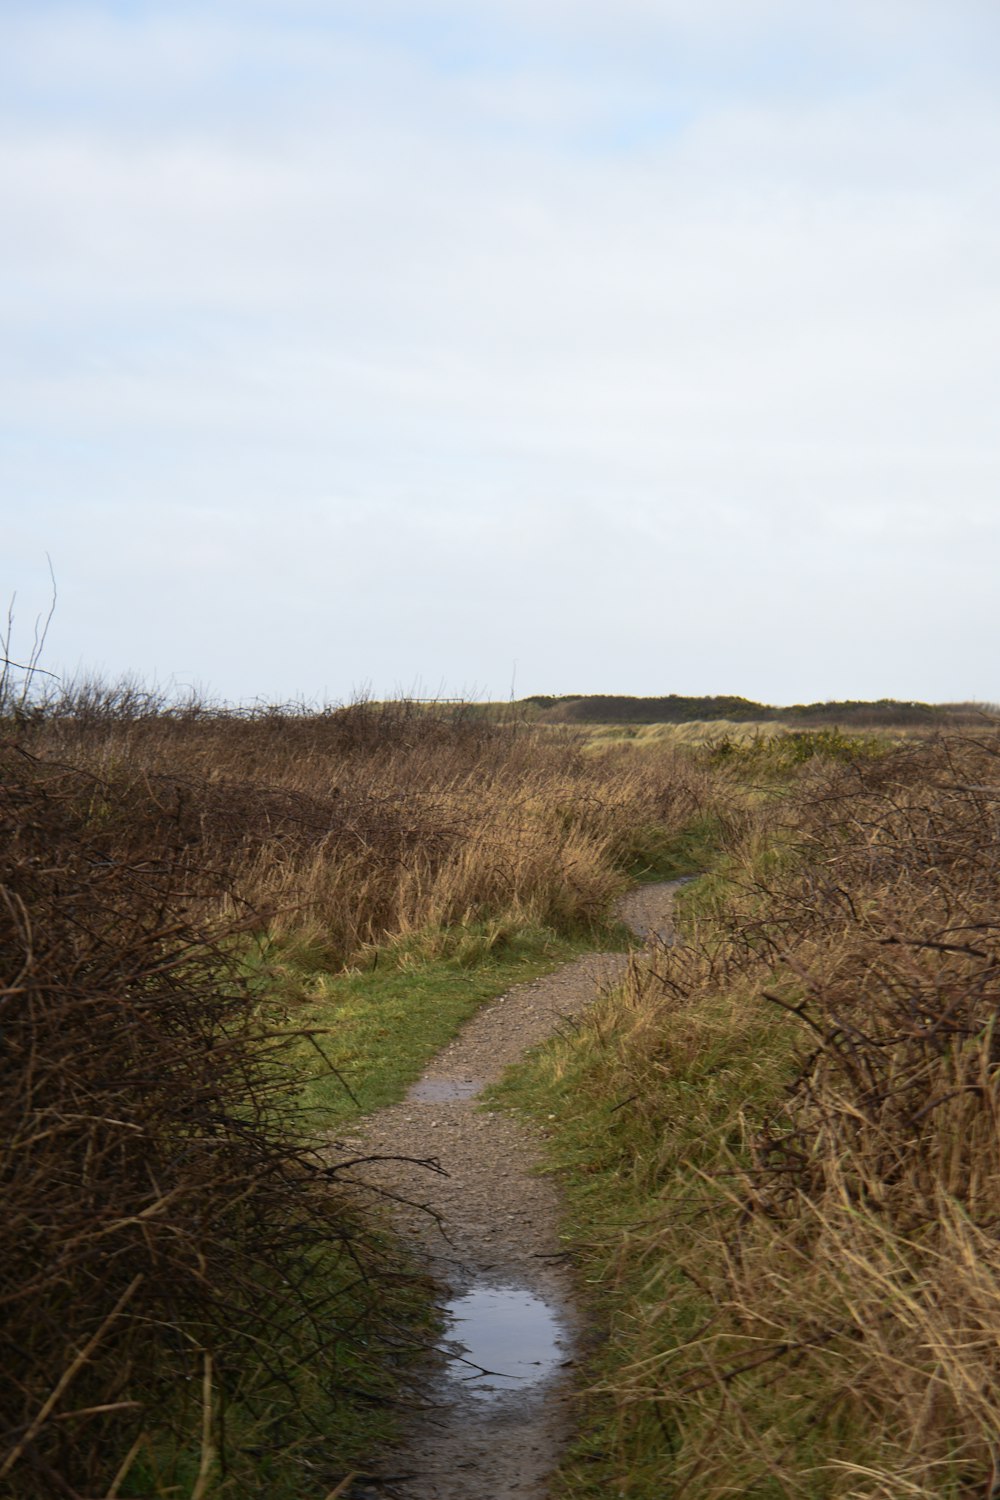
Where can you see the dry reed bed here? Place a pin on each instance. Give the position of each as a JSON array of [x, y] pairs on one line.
[[170, 1249], [819, 1276], [381, 819]]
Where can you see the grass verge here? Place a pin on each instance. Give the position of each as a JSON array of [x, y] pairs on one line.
[[376, 1027], [364, 1037], [779, 1145], [634, 1147], [242, 1437]]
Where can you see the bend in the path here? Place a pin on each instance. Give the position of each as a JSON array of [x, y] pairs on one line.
[[491, 1239]]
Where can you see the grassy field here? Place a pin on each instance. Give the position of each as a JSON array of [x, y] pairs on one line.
[[722, 710], [225, 934], [780, 1147]]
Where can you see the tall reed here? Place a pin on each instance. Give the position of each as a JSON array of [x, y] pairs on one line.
[[804, 1150]]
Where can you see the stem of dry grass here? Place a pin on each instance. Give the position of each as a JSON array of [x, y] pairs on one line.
[[795, 1211]]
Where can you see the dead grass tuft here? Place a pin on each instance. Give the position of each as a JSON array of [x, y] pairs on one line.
[[368, 822], [809, 1286]]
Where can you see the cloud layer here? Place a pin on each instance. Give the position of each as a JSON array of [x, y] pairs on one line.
[[653, 347]]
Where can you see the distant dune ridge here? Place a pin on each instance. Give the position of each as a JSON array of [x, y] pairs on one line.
[[602, 708]]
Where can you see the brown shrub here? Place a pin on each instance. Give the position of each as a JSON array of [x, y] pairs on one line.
[[159, 1221]]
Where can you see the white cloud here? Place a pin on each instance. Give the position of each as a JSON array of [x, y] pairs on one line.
[[666, 326]]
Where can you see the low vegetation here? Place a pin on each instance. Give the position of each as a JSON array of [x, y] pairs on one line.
[[223, 933], [226, 933], [677, 709], [780, 1143]]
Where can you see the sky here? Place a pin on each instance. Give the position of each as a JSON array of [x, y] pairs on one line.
[[488, 348]]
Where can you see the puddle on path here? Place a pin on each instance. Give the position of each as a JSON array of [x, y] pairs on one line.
[[440, 1090], [507, 1339]]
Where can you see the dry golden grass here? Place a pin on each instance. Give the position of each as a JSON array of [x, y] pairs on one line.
[[859, 1258], [796, 1206], [174, 1258], [377, 820]]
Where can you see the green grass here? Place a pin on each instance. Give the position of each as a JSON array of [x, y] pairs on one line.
[[784, 753], [639, 1111], [298, 1442], [659, 855], [378, 1026], [382, 1024]]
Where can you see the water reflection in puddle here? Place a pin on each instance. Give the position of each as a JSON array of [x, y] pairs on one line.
[[439, 1090], [509, 1333]]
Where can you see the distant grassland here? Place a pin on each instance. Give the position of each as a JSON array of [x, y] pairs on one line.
[[714, 732], [608, 709], [677, 709]]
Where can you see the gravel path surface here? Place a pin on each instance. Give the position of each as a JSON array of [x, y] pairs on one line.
[[493, 1243]]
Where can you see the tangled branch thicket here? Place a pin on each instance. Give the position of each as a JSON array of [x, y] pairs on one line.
[[174, 1253], [156, 1207], [820, 1290]]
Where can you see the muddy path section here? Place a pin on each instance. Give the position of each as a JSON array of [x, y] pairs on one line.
[[494, 1408]]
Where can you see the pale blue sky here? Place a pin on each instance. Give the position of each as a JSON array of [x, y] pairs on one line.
[[650, 346]]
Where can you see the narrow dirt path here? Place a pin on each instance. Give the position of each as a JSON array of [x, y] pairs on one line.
[[496, 1409]]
